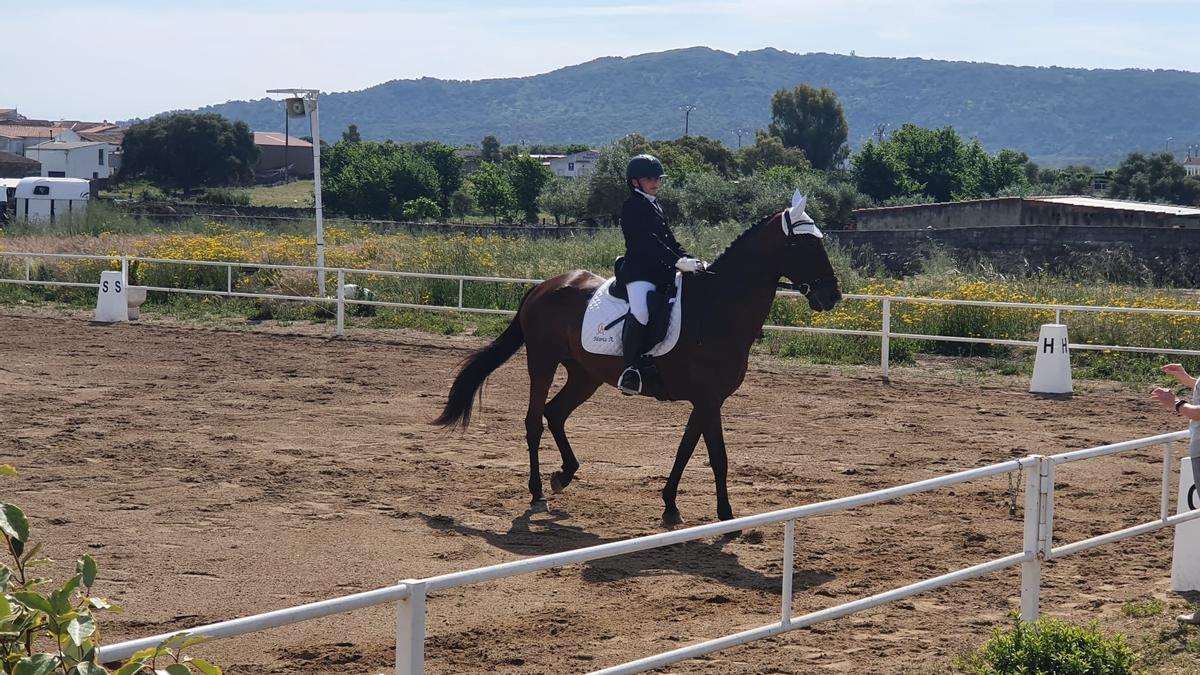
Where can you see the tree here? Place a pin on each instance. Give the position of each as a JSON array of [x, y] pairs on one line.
[[188, 150], [491, 149], [492, 190], [461, 204], [879, 174], [1004, 171], [934, 159], [528, 177], [606, 184], [811, 120], [351, 135], [769, 152], [447, 163], [565, 199], [1157, 178], [376, 179], [702, 150]]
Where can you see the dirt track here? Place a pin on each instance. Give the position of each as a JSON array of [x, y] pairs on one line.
[[216, 473]]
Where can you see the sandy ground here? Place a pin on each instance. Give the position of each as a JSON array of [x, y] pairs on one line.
[[220, 472]]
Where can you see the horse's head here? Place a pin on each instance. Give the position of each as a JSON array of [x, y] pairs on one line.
[[804, 260]]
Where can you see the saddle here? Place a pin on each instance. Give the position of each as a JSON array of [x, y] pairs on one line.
[[658, 302]]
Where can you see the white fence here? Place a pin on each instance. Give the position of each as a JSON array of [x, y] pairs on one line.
[[885, 332], [1037, 547]]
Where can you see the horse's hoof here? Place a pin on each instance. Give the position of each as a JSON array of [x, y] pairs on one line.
[[725, 514], [556, 482], [671, 518], [539, 506]]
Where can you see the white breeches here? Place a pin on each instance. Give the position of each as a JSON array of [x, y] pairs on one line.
[[637, 291]]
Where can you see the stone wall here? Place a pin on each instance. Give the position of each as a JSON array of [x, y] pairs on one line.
[[1152, 255], [1009, 212]]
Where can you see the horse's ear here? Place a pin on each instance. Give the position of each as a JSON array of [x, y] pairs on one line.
[[799, 201]]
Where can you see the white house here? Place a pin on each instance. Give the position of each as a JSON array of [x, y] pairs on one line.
[[575, 165], [51, 198], [1192, 166], [16, 138], [73, 159]]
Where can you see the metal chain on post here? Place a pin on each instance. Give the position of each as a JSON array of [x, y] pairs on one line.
[[1012, 490]]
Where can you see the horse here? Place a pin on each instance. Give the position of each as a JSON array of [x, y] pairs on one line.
[[724, 311]]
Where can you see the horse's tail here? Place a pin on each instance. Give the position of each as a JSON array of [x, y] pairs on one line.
[[477, 367]]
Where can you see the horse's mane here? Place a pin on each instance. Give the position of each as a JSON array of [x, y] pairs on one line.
[[745, 234]]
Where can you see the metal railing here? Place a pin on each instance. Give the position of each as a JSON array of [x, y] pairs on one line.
[[1037, 546], [885, 332]]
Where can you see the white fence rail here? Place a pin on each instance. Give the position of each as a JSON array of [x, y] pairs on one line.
[[1037, 546], [885, 332]]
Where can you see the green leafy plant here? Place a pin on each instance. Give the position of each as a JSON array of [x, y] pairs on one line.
[[1052, 646], [47, 629]]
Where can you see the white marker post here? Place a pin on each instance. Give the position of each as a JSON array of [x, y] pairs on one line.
[[1185, 563], [112, 298], [1052, 366]]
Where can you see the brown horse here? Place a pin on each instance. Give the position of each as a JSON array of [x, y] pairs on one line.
[[723, 314]]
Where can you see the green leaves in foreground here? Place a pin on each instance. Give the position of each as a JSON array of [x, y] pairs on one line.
[[1052, 646], [61, 622]]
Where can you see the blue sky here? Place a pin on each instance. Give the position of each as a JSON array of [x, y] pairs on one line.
[[134, 58]]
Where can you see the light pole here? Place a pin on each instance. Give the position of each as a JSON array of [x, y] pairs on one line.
[[739, 133], [1168, 146], [309, 96], [687, 111]]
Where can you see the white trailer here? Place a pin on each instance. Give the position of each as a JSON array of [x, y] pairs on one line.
[[47, 199]]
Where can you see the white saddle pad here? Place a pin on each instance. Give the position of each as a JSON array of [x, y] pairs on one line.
[[604, 309]]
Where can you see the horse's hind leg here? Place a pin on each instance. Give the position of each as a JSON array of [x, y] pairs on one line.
[[579, 387], [541, 376]]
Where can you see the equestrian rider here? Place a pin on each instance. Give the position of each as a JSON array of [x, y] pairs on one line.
[[651, 257]]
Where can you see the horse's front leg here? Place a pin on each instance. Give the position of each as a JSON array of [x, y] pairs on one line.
[[714, 440], [691, 435]]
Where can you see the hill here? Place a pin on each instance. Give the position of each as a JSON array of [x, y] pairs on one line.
[[1056, 115]]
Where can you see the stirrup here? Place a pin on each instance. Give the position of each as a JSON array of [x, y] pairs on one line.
[[628, 390]]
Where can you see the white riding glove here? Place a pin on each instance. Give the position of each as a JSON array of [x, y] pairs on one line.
[[690, 265]]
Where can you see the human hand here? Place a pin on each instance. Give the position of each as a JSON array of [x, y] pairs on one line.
[[1177, 371], [689, 265], [1164, 397]]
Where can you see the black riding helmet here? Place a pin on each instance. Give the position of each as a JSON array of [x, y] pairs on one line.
[[644, 166]]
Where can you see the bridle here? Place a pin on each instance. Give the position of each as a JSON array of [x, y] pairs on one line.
[[792, 239]]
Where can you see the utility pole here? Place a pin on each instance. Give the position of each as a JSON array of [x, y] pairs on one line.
[[687, 111], [739, 133], [310, 108], [880, 130]]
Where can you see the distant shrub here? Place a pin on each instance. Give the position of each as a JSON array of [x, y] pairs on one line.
[[224, 197]]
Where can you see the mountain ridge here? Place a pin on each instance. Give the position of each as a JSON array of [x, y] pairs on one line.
[[1056, 115]]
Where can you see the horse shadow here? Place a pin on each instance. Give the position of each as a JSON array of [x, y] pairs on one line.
[[549, 534]]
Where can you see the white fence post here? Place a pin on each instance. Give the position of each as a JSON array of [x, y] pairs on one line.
[[341, 303], [1168, 455], [229, 279], [1048, 469], [789, 562], [885, 340], [125, 270], [1031, 570], [460, 293], [28, 267], [410, 630]]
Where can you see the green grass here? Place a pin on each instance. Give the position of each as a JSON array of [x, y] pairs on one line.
[[296, 194], [1144, 608]]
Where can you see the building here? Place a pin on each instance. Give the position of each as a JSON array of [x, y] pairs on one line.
[[74, 159], [16, 166], [575, 165], [1192, 166], [16, 138], [277, 151]]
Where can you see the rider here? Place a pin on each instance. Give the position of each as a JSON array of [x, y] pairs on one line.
[[651, 257]]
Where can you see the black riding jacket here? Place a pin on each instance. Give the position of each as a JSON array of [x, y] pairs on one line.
[[650, 248]]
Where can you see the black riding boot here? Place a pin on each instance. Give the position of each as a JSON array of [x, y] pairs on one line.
[[631, 347]]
